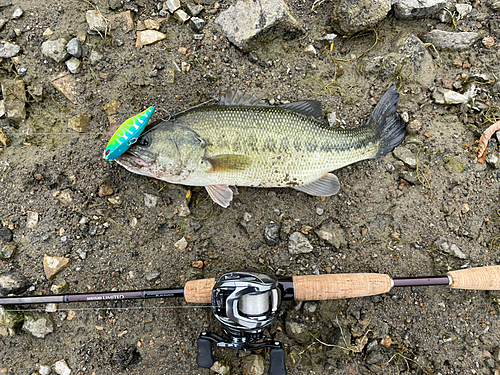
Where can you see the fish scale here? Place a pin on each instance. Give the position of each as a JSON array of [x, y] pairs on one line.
[[241, 142]]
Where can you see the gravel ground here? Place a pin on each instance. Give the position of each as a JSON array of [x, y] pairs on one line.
[[427, 208]]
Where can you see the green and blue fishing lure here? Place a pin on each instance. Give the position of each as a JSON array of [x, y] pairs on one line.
[[127, 134]]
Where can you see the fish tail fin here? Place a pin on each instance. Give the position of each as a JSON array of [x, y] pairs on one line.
[[385, 122]]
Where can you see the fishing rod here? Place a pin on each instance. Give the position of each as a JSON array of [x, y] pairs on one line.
[[245, 302]]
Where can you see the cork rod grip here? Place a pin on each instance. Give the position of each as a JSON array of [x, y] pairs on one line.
[[480, 278], [324, 287], [199, 291]]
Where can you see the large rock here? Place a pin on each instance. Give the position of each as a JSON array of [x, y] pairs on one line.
[[148, 37], [446, 96], [9, 321], [412, 9], [12, 282], [8, 50], [456, 41], [352, 16], [249, 23], [408, 60], [53, 265], [333, 234], [39, 325], [252, 364], [299, 244], [14, 97], [96, 22], [55, 49], [66, 85]]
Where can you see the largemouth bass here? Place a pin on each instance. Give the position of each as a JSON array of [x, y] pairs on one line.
[[241, 142]]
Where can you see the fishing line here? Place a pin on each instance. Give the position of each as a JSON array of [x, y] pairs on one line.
[[31, 132], [111, 308], [169, 113], [28, 133]]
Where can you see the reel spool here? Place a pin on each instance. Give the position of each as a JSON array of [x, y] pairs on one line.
[[246, 300]]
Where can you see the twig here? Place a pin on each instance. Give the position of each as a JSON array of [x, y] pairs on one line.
[[483, 141], [406, 359], [422, 178]]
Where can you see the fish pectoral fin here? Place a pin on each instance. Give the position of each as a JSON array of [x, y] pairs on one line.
[[325, 186], [221, 194], [228, 163], [309, 108]]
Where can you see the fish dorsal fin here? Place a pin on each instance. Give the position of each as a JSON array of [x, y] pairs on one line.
[[324, 187], [238, 97], [221, 194], [228, 163], [309, 108]]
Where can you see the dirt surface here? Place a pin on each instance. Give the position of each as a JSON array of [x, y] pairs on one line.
[[394, 218]]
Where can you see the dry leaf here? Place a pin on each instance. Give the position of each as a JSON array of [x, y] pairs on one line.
[[483, 141]]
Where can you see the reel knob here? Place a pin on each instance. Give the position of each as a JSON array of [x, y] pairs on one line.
[[277, 361], [205, 357]]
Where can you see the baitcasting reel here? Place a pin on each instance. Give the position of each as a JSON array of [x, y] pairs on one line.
[[245, 302]]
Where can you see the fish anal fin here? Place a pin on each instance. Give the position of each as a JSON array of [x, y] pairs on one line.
[[325, 186], [308, 108], [228, 163], [221, 194]]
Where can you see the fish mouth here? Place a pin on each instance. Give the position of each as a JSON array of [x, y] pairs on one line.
[[133, 159], [136, 164]]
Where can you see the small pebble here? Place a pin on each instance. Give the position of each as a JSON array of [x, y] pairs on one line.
[[17, 13], [7, 251], [74, 48], [197, 24], [197, 264], [414, 126], [74, 65], [6, 234], [181, 16], [181, 244], [82, 254], [173, 5], [21, 71], [48, 32], [153, 275], [62, 368], [44, 370], [105, 190], [310, 50], [150, 200], [272, 234], [488, 42], [193, 9]]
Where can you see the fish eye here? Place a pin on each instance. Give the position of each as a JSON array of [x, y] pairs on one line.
[[144, 141]]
